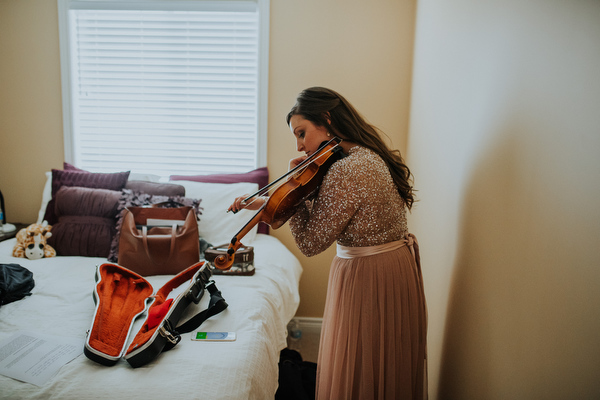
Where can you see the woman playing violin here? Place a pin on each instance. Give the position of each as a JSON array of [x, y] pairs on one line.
[[373, 340]]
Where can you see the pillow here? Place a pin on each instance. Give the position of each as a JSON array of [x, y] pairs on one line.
[[60, 178], [259, 176], [86, 221], [129, 198], [136, 176], [70, 167], [132, 176], [217, 226], [162, 189], [146, 184], [46, 197], [47, 193]]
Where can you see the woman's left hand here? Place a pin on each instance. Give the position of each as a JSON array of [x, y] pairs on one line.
[[253, 204]]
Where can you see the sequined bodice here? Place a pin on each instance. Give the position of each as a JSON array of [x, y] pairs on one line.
[[357, 205]]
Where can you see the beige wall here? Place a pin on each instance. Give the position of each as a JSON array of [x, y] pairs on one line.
[[505, 143], [362, 49], [31, 139]]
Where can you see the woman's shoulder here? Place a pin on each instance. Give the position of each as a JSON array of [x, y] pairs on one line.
[[357, 168], [358, 159]]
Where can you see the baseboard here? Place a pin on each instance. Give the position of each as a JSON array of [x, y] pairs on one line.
[[306, 326], [303, 335]]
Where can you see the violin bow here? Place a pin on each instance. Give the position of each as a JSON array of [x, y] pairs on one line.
[[300, 166]]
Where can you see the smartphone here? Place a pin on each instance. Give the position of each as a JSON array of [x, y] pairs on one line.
[[214, 336]]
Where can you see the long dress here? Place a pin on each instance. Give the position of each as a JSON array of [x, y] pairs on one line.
[[373, 339]]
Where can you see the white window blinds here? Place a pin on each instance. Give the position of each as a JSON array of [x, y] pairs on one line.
[[165, 87]]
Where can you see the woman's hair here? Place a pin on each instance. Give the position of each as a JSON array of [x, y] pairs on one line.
[[325, 107]]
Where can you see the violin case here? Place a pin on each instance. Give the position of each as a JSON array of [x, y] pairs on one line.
[[122, 296], [243, 262]]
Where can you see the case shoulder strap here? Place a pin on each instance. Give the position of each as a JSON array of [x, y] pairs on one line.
[[216, 305]]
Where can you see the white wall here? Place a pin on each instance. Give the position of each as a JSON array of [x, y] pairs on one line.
[[505, 145]]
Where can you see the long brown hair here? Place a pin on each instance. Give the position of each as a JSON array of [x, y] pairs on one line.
[[325, 107]]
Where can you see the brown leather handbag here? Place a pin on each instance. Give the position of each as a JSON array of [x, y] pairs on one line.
[[159, 241]]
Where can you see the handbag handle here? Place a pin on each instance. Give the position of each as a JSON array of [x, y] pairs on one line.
[[145, 241]]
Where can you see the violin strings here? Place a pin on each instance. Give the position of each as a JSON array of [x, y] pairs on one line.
[[297, 170]]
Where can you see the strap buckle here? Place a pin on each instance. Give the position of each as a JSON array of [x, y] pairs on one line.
[[166, 330]]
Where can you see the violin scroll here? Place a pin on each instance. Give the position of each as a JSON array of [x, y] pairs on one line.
[[224, 262]]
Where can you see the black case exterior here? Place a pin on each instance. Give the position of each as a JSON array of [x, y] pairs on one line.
[[167, 333], [166, 337]]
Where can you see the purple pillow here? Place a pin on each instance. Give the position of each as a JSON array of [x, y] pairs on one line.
[[60, 178], [86, 221], [164, 189], [129, 198], [71, 167], [259, 176]]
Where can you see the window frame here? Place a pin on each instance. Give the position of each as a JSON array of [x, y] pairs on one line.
[[263, 7]]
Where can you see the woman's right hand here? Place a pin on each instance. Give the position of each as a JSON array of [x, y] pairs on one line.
[[252, 204]]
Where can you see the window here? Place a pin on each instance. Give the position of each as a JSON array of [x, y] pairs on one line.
[[165, 87]]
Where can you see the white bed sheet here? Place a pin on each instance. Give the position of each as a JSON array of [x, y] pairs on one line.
[[259, 308]]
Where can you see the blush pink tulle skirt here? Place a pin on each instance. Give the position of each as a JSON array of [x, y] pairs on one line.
[[374, 336]]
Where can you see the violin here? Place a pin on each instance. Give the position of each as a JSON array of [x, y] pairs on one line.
[[302, 184]]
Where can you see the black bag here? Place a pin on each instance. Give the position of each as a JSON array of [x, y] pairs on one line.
[[297, 378], [16, 282]]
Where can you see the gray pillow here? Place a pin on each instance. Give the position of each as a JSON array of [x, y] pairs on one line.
[[162, 189]]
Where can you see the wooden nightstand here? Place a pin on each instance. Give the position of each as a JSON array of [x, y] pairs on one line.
[[10, 235]]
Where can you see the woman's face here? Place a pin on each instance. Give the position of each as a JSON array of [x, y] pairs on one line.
[[308, 135]]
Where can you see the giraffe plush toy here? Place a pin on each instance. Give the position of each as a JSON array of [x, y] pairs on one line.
[[31, 242]]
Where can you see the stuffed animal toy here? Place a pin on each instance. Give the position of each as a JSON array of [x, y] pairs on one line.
[[31, 242]]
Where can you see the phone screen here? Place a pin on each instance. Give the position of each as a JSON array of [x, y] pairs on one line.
[[214, 336]]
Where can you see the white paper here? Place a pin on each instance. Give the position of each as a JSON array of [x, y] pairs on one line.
[[164, 222], [35, 358]]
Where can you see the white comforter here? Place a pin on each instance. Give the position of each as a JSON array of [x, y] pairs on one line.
[[259, 308]]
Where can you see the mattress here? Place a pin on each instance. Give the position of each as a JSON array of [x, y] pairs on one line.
[[260, 306]]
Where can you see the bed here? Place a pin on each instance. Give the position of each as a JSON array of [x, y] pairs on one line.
[[260, 306]]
